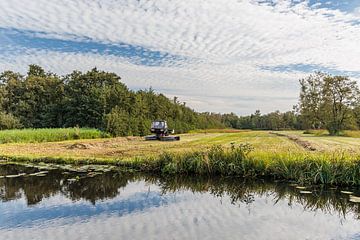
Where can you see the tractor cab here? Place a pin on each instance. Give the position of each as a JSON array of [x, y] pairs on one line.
[[158, 125], [159, 128], [161, 131]]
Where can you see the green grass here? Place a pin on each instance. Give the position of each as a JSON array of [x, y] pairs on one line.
[[323, 132], [336, 160], [331, 169], [48, 135], [238, 160]]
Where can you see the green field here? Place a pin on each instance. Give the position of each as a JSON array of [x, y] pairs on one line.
[[48, 143], [331, 160], [48, 135]]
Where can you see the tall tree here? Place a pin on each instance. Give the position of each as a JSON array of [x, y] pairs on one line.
[[310, 104], [328, 101], [340, 95]]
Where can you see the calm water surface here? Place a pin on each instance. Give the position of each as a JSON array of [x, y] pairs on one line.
[[118, 205]]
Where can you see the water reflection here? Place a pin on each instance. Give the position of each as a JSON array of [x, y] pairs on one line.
[[191, 204]]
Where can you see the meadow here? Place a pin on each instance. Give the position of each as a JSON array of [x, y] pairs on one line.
[[283, 155]]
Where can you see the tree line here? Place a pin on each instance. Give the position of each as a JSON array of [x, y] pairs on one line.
[[325, 102], [94, 99], [98, 99]]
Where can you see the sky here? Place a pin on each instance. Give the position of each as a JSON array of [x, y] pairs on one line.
[[215, 55]]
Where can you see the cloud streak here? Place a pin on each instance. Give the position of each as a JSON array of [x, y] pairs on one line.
[[197, 49]]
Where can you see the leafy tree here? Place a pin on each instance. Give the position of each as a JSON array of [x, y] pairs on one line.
[[311, 100], [117, 122], [340, 95], [92, 95], [328, 101]]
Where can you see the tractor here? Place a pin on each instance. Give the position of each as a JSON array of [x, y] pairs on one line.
[[161, 131]]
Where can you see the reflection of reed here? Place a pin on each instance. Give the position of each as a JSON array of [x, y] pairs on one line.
[[108, 185], [244, 191]]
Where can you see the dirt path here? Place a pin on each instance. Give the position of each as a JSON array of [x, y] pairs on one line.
[[303, 143]]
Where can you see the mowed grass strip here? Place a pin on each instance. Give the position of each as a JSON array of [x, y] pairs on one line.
[[325, 143]]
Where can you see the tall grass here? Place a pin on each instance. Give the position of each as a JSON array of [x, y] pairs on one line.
[[48, 135], [351, 133], [331, 169], [238, 160]]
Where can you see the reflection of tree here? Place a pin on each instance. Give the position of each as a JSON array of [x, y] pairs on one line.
[[243, 191], [34, 188], [108, 185], [96, 188]]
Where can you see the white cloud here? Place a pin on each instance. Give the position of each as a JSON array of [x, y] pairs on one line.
[[224, 43], [357, 11]]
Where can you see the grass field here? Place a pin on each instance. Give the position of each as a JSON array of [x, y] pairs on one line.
[[131, 147], [265, 144], [48, 135], [332, 160]]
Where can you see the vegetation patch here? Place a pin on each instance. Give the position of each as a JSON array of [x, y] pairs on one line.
[[49, 135], [253, 154], [305, 144], [237, 160]]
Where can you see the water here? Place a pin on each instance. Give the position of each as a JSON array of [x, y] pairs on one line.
[[118, 205]]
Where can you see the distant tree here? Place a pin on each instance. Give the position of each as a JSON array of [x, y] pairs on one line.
[[230, 120], [256, 121], [35, 70], [356, 113], [340, 95], [117, 122], [93, 99], [327, 101], [91, 95], [310, 103]]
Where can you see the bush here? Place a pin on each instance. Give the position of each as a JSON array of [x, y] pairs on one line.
[[8, 121], [116, 122]]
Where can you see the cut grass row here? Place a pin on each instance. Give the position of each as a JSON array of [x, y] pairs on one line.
[[48, 135]]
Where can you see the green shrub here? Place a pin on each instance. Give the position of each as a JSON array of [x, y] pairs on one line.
[[8, 121], [116, 122]]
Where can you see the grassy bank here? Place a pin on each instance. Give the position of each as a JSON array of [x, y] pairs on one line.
[[48, 135], [239, 160], [335, 160]]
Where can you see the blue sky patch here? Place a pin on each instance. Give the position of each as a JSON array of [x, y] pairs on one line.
[[309, 68], [12, 39], [30, 217], [342, 5]]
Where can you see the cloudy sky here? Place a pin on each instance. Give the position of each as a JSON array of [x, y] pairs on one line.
[[216, 55]]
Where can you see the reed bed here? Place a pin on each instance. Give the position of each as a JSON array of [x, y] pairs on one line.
[[329, 169], [48, 135]]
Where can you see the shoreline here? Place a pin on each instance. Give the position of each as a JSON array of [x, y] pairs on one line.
[[237, 161]]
